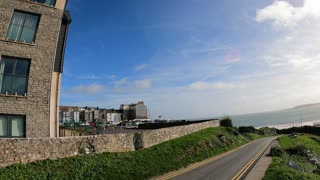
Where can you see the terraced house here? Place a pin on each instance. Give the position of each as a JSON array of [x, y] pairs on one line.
[[33, 37]]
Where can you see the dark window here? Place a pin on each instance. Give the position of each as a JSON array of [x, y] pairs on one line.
[[12, 126], [14, 74], [46, 2], [23, 27]]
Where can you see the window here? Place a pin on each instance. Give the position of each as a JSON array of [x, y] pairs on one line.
[[46, 2], [12, 126], [14, 74], [23, 27]]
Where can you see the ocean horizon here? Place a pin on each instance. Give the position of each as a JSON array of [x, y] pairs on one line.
[[281, 118]]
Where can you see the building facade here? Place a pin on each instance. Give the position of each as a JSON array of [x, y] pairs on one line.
[[33, 36], [137, 111]]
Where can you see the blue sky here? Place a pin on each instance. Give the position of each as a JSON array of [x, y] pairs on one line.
[[193, 58]]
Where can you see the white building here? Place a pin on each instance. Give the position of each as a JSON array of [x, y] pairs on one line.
[[76, 117], [113, 117]]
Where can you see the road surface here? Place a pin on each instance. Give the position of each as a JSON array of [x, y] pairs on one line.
[[228, 166]]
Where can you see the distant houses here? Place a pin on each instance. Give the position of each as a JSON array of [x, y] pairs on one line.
[[126, 112]]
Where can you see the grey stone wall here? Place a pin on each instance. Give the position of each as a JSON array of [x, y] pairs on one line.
[[33, 149], [151, 138], [36, 105]]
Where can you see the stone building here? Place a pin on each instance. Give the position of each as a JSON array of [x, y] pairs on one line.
[[33, 36], [137, 111]]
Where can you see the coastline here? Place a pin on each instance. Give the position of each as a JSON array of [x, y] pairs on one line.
[[295, 124]]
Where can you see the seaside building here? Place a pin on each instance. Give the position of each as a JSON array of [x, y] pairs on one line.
[[33, 37], [69, 114], [137, 111]]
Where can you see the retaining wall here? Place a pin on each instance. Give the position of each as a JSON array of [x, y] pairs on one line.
[[33, 149]]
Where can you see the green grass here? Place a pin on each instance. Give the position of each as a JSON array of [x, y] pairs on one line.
[[279, 168], [289, 142], [253, 136], [143, 164]]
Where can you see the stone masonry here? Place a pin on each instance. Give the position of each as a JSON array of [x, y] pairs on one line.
[[35, 106], [33, 149]]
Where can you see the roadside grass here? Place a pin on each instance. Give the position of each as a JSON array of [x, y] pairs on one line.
[[279, 168], [287, 142], [143, 164], [253, 136]]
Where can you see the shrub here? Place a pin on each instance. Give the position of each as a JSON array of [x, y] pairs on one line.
[[247, 129], [276, 151], [226, 122], [298, 150]]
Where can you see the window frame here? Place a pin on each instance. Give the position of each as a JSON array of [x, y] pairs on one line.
[[54, 4], [14, 73], [24, 21], [9, 118]]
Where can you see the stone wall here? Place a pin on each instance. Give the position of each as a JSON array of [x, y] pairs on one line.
[[33, 149], [151, 138]]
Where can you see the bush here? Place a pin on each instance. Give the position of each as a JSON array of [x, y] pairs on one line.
[[247, 129], [226, 122], [298, 150], [276, 151], [305, 129]]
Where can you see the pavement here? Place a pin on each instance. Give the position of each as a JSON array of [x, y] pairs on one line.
[[259, 170], [230, 165]]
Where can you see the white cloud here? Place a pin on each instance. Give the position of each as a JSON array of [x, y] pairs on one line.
[[121, 82], [283, 14], [87, 89], [96, 76], [140, 67], [143, 84], [210, 86], [125, 85]]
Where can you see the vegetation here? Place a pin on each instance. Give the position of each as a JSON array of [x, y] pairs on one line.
[[226, 122], [253, 136], [142, 164], [294, 151], [305, 129]]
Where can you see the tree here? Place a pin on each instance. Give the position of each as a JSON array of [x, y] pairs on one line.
[[226, 122]]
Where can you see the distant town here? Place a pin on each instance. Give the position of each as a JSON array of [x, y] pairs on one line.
[[136, 112]]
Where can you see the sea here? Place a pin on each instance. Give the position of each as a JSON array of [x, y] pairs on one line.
[[309, 115]]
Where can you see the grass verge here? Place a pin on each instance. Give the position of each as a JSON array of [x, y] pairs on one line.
[[143, 164], [253, 136], [279, 169]]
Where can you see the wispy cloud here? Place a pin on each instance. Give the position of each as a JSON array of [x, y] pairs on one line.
[[200, 85], [96, 76], [143, 84], [87, 89], [126, 85], [140, 67]]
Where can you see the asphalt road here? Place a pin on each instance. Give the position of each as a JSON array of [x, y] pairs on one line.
[[228, 166]]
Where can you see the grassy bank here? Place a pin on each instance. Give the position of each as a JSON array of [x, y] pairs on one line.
[[141, 164], [294, 149], [253, 136]]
